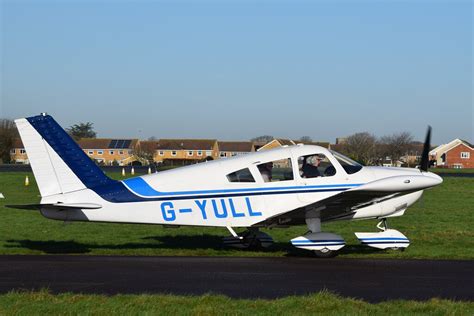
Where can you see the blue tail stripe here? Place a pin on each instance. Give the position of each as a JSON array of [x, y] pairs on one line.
[[82, 166], [69, 151]]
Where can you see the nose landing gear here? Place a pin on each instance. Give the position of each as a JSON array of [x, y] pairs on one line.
[[385, 239]]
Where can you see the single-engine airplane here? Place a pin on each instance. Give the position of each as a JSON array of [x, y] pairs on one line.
[[301, 184]]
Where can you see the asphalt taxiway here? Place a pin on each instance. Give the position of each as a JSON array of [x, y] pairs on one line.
[[373, 280]]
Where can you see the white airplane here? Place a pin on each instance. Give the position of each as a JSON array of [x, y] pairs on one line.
[[275, 188]]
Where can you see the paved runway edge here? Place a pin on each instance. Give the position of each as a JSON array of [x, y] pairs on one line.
[[373, 280]]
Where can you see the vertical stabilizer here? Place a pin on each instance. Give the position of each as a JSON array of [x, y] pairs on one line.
[[58, 163]]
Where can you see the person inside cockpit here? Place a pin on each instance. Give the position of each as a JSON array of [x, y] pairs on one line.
[[310, 166]]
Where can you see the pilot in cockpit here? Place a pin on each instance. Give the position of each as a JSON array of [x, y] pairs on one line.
[[310, 166]]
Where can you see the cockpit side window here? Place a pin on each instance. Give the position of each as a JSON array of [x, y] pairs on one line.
[[315, 165], [278, 170], [242, 175], [349, 165]]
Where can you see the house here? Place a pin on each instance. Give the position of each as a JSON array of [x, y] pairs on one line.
[[455, 154], [185, 151], [18, 153], [230, 149], [109, 151], [277, 142], [322, 144]]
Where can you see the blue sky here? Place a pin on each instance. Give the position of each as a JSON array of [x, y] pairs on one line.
[[238, 69]]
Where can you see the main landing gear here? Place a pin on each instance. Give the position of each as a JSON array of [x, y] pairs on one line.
[[324, 245], [252, 238], [385, 239]]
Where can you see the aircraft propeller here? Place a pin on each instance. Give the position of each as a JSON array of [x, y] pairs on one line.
[[425, 159]]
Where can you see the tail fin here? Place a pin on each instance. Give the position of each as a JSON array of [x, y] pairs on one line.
[[58, 163]]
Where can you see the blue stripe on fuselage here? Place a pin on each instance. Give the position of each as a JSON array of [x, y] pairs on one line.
[[140, 187]]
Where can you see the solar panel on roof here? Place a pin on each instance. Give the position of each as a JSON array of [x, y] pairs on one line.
[[120, 143], [113, 143]]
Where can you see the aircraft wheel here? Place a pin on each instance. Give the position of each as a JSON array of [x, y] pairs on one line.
[[325, 253], [401, 249], [252, 243]]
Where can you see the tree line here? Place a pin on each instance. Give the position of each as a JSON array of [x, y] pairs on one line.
[[362, 147]]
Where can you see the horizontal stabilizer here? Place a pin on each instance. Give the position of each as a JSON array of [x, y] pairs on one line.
[[57, 206]]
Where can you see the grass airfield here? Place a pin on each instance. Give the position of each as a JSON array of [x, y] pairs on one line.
[[439, 227], [321, 303]]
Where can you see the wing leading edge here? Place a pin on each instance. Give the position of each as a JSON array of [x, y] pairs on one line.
[[347, 203]]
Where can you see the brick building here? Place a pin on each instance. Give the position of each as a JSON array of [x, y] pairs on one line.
[[110, 151], [185, 151], [455, 154], [231, 149]]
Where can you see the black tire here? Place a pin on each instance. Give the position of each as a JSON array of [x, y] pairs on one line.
[[325, 253]]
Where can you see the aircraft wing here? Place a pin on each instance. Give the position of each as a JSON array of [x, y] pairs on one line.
[[57, 206], [346, 203]]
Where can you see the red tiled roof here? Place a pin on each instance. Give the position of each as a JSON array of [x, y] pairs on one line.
[[285, 142], [236, 146], [186, 144], [103, 143], [17, 143]]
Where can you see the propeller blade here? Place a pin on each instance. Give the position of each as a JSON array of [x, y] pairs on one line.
[[425, 159]]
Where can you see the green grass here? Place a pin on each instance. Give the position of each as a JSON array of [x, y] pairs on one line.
[[41, 303], [439, 227]]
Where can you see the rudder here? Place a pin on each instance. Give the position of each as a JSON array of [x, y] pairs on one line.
[[58, 163]]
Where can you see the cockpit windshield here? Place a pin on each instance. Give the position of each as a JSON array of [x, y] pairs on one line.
[[349, 165]]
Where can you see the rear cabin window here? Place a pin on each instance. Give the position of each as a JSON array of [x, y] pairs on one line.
[[242, 175], [278, 170]]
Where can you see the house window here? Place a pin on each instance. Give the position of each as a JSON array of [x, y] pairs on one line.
[[111, 152], [173, 153], [161, 153], [120, 152], [100, 152], [90, 152], [208, 153], [12, 151], [222, 154], [465, 155], [199, 152], [22, 151], [190, 153]]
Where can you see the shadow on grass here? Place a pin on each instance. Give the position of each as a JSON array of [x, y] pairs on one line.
[[179, 242]]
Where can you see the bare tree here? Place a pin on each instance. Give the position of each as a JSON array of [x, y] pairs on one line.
[[263, 139], [361, 147], [396, 145], [8, 133], [306, 139], [145, 150]]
